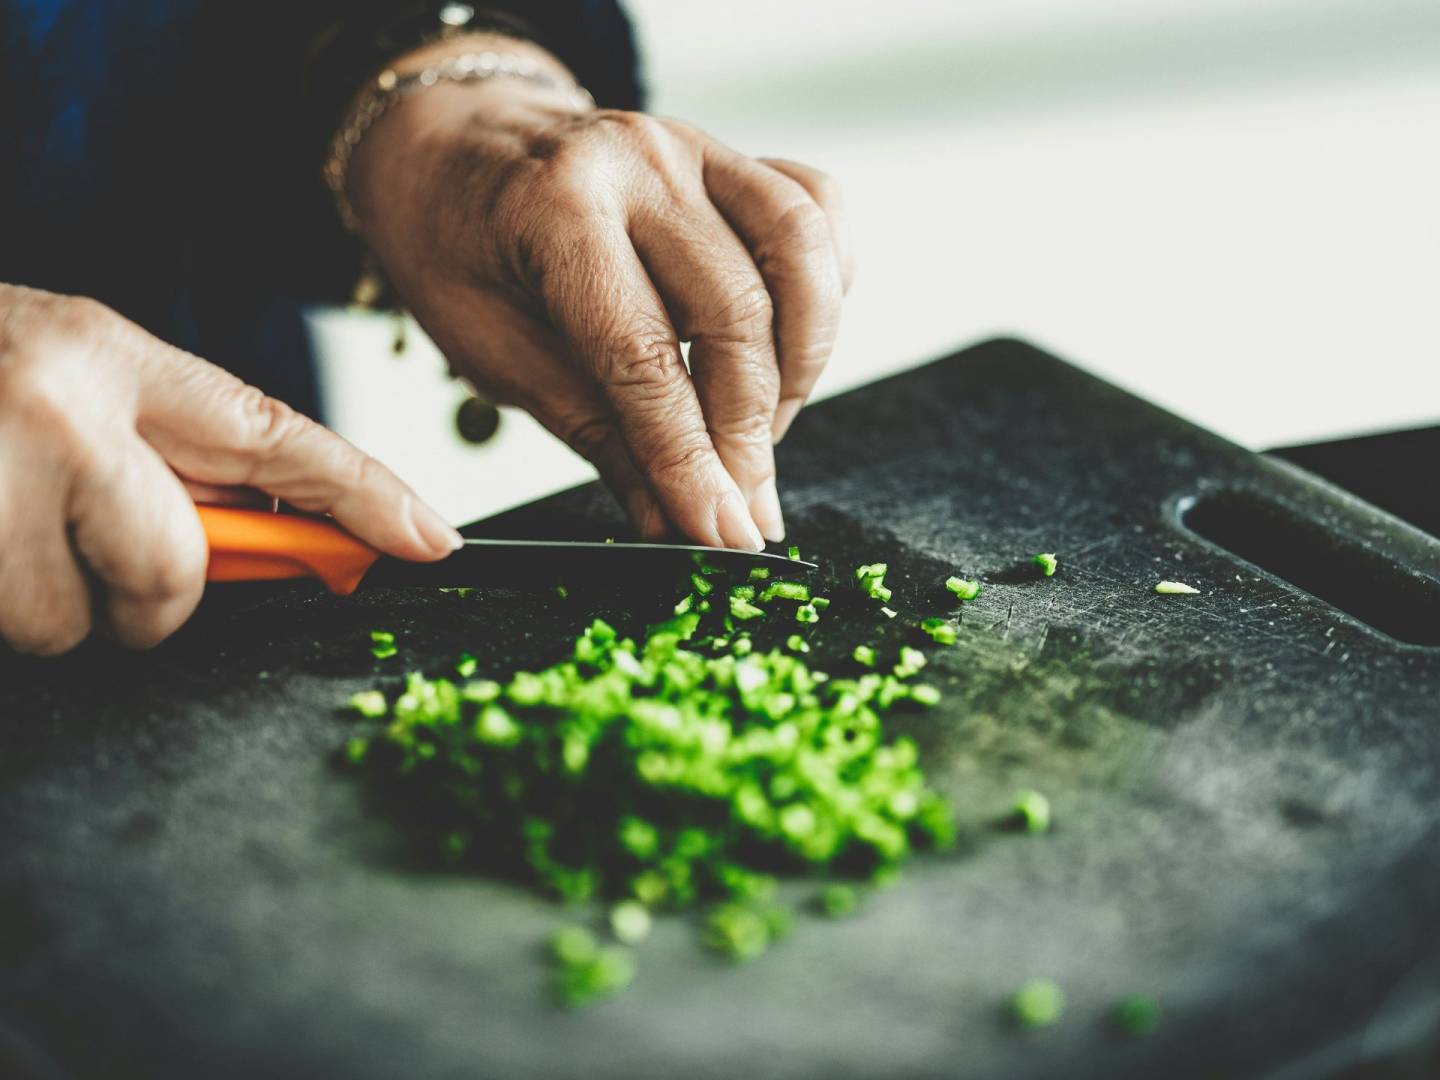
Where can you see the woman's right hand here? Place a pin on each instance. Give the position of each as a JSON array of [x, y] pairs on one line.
[[106, 433]]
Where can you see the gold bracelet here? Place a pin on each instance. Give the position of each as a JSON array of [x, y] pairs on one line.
[[389, 88]]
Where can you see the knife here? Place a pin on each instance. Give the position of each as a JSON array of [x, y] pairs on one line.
[[258, 545]]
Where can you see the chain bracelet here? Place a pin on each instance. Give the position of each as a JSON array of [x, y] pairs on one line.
[[389, 88]]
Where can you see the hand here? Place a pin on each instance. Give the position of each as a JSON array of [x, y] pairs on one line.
[[104, 434], [559, 258]]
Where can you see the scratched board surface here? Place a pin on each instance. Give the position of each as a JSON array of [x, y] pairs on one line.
[[1246, 787]]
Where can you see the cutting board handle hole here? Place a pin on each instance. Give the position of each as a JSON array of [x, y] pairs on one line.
[[1302, 551]]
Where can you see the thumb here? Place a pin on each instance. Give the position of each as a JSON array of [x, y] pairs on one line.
[[211, 428]]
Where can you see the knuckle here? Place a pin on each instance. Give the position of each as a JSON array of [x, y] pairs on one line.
[[638, 127], [40, 394], [747, 315], [807, 359], [270, 424], [803, 229], [588, 434], [365, 472], [679, 463], [641, 360], [178, 574], [83, 317], [826, 190]]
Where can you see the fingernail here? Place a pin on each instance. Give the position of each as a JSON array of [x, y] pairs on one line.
[[765, 510], [735, 525], [434, 529], [785, 415]]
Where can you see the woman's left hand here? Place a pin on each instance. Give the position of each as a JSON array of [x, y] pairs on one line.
[[558, 257]]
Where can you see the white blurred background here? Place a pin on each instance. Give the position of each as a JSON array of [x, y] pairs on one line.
[[1230, 207]]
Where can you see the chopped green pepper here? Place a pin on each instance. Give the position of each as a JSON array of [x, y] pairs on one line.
[[382, 644], [940, 630], [962, 588], [1176, 588], [838, 901], [741, 608], [1047, 563], [369, 703], [1032, 809], [786, 590], [1136, 1014], [1038, 1003], [630, 922]]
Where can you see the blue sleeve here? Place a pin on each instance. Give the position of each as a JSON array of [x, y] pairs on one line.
[[164, 157]]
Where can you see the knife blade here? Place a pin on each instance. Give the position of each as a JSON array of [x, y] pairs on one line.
[[529, 563], [256, 545]]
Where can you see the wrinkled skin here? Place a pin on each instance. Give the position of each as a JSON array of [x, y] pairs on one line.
[[106, 438], [559, 257]]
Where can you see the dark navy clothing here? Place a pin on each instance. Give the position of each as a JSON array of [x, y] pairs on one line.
[[163, 156]]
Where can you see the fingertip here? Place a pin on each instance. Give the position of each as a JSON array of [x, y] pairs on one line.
[[785, 414], [734, 524], [439, 536], [766, 513]]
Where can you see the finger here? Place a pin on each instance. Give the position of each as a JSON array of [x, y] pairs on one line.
[[789, 237], [220, 495], [606, 310], [134, 525], [46, 608], [518, 361], [827, 193], [719, 303], [214, 429]]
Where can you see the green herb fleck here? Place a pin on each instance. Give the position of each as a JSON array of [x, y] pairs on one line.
[[925, 694], [1032, 810], [862, 654], [1037, 1004], [370, 703], [1136, 1014], [838, 901], [1176, 588], [630, 922], [382, 644], [741, 608], [742, 932], [962, 588], [605, 974], [574, 945], [1047, 563], [465, 666], [940, 630], [910, 662], [786, 590]]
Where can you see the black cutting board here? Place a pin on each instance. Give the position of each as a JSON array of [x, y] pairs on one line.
[[1246, 787]]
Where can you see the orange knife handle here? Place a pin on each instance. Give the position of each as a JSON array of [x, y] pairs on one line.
[[256, 545]]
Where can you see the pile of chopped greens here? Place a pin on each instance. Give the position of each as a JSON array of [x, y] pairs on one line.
[[688, 765], [682, 766]]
